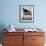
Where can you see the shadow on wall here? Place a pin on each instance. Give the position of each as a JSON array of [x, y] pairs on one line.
[[2, 26]]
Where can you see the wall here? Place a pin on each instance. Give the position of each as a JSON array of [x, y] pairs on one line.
[[9, 13]]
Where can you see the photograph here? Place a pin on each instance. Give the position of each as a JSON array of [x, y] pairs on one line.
[[26, 13]]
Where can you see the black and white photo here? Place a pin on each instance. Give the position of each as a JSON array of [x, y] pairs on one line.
[[26, 13]]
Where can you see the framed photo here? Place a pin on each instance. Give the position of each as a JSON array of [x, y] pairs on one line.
[[26, 13]]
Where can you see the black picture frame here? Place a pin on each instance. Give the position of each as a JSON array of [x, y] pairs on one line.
[[26, 13]]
